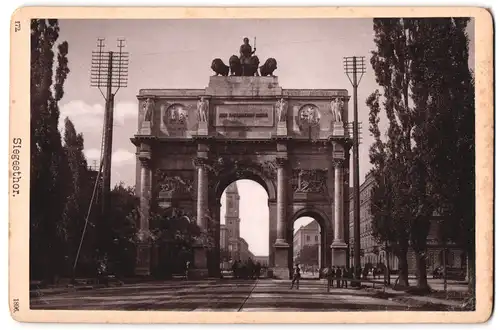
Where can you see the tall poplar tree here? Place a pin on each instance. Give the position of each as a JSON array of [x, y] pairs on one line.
[[392, 62], [448, 143], [78, 189], [421, 64], [47, 156]]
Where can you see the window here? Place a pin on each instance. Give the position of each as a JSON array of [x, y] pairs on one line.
[[308, 238], [316, 238], [230, 222]]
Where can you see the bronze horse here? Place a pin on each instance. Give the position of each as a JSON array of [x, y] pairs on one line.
[[249, 67]]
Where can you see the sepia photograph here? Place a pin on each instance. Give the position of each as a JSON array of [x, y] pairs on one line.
[[246, 164]]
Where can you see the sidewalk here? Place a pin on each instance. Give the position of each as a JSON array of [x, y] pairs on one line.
[[39, 290], [418, 300]]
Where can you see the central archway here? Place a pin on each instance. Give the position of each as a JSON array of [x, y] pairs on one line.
[[219, 185], [244, 229]]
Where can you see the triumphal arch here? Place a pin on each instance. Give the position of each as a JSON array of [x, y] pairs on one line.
[[192, 143]]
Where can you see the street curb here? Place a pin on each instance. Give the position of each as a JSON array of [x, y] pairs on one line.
[[57, 291], [412, 302]]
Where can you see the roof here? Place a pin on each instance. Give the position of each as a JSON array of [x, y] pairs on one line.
[[311, 226], [232, 189]]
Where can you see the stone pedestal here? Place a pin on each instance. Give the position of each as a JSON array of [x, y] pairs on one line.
[[281, 268], [243, 86], [143, 259], [339, 254], [281, 129], [145, 128], [202, 128], [200, 266], [338, 128]]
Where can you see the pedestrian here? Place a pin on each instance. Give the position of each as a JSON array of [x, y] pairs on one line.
[[187, 269], [344, 277], [338, 276], [234, 268], [329, 278], [296, 276]]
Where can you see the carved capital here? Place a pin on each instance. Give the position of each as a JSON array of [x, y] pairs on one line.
[[144, 157], [338, 162], [200, 162], [145, 162], [281, 161]]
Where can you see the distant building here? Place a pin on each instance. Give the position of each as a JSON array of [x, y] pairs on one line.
[[373, 252], [232, 245], [263, 260], [307, 235], [244, 252]]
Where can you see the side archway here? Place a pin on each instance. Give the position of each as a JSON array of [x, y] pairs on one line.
[[326, 233]]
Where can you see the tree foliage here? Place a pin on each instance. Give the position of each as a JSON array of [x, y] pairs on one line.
[[421, 66], [308, 255], [174, 234], [48, 164]]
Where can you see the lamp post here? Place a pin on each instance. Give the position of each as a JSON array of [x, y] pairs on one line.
[[354, 66]]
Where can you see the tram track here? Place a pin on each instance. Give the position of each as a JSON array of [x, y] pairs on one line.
[[249, 294]]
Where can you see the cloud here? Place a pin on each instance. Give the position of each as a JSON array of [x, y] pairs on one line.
[[122, 157], [92, 154], [90, 117], [119, 158]]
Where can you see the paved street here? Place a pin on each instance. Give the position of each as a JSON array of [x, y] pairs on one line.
[[221, 295]]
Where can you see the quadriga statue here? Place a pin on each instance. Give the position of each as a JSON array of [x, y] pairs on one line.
[[247, 64]]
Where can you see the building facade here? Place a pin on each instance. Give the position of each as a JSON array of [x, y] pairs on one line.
[[309, 234], [263, 260], [373, 252]]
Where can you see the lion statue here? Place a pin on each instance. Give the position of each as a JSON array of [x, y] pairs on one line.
[[219, 67], [251, 69], [268, 67], [235, 66]]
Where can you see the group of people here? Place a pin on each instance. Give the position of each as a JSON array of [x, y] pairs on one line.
[[341, 275], [376, 272], [246, 270]]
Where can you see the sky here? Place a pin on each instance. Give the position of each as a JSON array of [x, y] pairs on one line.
[[177, 53]]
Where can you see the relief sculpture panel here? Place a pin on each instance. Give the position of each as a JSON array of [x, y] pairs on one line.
[[175, 183], [174, 119], [310, 181]]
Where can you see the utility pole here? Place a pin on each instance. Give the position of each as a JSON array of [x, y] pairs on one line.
[[353, 66], [109, 70]]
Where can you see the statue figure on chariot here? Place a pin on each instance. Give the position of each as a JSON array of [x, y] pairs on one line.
[[247, 64]]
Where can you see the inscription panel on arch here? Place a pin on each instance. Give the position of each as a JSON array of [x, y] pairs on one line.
[[244, 115]]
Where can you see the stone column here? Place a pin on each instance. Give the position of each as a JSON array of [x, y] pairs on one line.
[[281, 266], [339, 247], [143, 247], [202, 193], [200, 250]]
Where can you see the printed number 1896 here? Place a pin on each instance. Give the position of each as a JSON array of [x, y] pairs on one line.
[[16, 305]]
